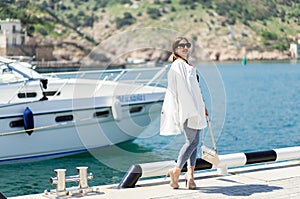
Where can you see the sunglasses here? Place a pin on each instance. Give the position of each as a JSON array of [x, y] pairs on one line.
[[188, 45]]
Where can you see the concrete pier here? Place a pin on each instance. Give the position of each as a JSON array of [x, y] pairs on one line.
[[279, 180]]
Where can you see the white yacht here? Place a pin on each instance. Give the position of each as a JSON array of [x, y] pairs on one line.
[[42, 116]]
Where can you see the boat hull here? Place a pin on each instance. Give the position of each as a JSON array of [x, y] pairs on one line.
[[72, 128]]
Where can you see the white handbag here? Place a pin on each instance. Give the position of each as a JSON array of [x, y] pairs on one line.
[[208, 154]]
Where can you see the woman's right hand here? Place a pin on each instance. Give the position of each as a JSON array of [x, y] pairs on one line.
[[206, 112]]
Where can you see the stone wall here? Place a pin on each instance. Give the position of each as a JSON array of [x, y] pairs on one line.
[[44, 53], [41, 53], [2, 51], [14, 51]]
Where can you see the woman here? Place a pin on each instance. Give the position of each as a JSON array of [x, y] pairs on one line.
[[183, 110]]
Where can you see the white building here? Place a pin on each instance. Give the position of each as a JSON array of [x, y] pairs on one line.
[[295, 50], [11, 33]]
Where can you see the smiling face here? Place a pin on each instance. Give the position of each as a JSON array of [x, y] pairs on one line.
[[182, 48]]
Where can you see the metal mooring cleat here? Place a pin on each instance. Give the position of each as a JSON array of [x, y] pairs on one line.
[[61, 179]]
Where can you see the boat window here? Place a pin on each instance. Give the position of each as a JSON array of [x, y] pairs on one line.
[[101, 113], [64, 118], [16, 123], [51, 93], [27, 95], [136, 109]]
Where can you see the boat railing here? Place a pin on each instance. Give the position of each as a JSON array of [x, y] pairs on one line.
[[154, 76], [151, 76], [22, 86], [59, 90], [15, 94]]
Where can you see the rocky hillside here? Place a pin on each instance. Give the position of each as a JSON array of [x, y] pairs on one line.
[[118, 31]]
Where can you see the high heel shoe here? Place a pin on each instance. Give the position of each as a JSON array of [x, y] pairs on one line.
[[173, 184], [190, 184]]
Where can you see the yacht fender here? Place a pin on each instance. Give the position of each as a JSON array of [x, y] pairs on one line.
[[28, 121], [116, 109], [229, 160]]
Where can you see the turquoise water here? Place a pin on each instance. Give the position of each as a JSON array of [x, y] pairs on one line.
[[262, 113]]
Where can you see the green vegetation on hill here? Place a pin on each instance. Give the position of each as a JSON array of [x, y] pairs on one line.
[[275, 22]]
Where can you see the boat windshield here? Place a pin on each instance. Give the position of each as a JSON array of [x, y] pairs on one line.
[[16, 72], [23, 69]]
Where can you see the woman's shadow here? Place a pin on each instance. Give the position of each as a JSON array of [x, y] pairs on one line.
[[239, 190]]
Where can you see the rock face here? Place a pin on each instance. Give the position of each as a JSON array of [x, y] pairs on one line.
[[114, 58], [137, 47], [227, 54], [136, 31], [154, 44], [138, 43], [133, 47]]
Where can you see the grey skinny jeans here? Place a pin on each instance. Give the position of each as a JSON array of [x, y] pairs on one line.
[[188, 152]]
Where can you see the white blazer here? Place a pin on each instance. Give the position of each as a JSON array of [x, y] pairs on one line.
[[183, 100]]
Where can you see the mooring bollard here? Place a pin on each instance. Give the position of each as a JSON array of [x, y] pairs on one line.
[[61, 179], [83, 177]]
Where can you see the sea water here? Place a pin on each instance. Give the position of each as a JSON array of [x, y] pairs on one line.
[[262, 113]]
